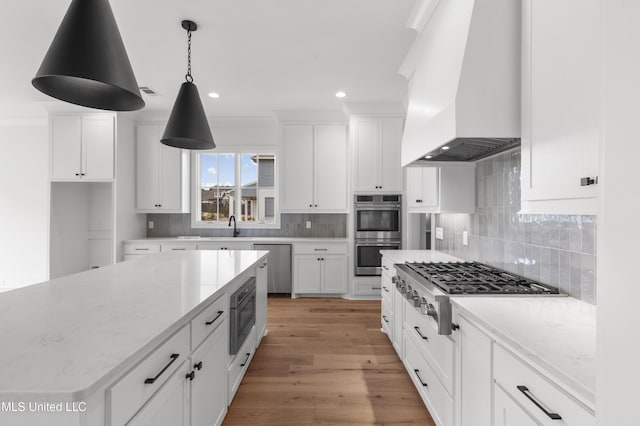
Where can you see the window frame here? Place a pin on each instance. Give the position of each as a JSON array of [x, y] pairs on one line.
[[196, 204]]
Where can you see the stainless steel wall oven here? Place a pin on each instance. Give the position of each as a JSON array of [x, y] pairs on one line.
[[377, 227], [242, 305]]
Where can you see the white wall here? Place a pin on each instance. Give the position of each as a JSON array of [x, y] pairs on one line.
[[23, 203], [618, 339]]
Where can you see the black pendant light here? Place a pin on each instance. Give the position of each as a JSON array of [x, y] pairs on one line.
[[188, 127], [87, 63]]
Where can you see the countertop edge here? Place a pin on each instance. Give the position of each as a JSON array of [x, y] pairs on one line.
[[130, 361], [587, 396]]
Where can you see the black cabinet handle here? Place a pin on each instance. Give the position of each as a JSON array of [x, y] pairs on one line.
[[191, 375], [385, 289], [150, 380], [81, 174], [142, 249], [586, 181], [375, 288], [384, 317], [420, 378], [525, 390], [198, 366], [455, 326], [420, 333], [77, 174], [310, 205], [214, 320], [248, 354], [263, 265]]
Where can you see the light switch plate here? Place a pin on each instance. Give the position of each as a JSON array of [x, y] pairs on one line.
[[150, 224], [308, 224], [465, 238], [439, 233]]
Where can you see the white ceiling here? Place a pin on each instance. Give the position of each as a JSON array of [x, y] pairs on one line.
[[260, 55]]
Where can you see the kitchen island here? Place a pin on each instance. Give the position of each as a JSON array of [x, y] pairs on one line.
[[74, 348]]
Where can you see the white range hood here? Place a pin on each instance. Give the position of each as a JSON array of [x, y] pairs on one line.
[[464, 72]]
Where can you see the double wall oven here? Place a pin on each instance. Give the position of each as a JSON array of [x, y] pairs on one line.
[[377, 227]]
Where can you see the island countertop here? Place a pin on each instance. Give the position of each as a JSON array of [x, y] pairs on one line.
[[66, 337]]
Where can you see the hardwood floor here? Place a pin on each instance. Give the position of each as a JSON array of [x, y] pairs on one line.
[[325, 361]]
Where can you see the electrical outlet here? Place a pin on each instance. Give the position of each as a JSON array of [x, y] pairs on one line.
[[308, 224], [465, 238], [150, 224], [439, 233]]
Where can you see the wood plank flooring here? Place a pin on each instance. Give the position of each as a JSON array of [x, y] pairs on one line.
[[325, 361]]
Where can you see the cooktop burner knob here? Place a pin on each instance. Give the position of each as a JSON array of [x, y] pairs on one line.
[[431, 311]]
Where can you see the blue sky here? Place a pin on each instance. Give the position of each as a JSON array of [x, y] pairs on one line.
[[213, 171]]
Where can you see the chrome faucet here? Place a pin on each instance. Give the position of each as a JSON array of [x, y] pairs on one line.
[[235, 230]]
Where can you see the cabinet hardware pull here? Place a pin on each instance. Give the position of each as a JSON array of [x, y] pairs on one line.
[[310, 205], [263, 265], [375, 288], [151, 380], [191, 375], [420, 333], [214, 320], [420, 378], [525, 390], [142, 249], [385, 289], [385, 267], [320, 249], [82, 174], [198, 365], [455, 326], [246, 359], [384, 317], [586, 181], [178, 249], [77, 174], [322, 258]]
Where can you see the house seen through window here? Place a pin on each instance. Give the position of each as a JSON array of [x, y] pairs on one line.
[[240, 184]]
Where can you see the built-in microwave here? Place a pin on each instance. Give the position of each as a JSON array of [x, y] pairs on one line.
[[378, 217]]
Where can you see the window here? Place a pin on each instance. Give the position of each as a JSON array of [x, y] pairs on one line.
[[239, 184]]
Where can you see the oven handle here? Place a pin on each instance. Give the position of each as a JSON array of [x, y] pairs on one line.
[[363, 243]]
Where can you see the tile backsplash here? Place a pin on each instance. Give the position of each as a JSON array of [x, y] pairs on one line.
[[291, 225], [558, 250]]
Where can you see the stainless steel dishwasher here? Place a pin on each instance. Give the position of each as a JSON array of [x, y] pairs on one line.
[[279, 258]]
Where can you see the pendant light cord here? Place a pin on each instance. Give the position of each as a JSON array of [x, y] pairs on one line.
[[188, 76]]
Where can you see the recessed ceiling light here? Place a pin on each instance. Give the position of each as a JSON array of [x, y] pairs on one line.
[[428, 157], [445, 148], [341, 94], [214, 95]]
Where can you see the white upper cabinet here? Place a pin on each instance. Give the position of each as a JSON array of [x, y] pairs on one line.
[[162, 174], [441, 190], [376, 154], [82, 147], [560, 106], [315, 168]]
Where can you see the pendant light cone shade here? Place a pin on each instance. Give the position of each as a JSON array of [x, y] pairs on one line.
[[87, 63], [187, 126]]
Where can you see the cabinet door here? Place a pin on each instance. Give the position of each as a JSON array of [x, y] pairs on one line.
[[391, 169], [334, 274], [474, 375], [307, 274], [66, 140], [170, 405], [561, 94], [261, 299], [507, 412], [430, 187], [414, 187], [170, 177], [147, 160], [209, 386], [398, 320], [330, 154], [98, 147], [298, 168], [367, 159]]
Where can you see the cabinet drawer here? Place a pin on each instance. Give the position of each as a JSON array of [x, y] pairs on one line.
[[224, 245], [132, 391], [208, 320], [386, 288], [241, 362], [321, 248], [141, 248], [387, 319], [437, 349], [177, 246], [518, 380], [435, 396], [364, 288]]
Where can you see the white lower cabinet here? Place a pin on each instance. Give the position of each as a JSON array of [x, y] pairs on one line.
[[262, 276], [240, 363], [209, 383], [320, 268]]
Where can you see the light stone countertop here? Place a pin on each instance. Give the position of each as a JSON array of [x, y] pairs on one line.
[[556, 334], [291, 240], [64, 338]]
